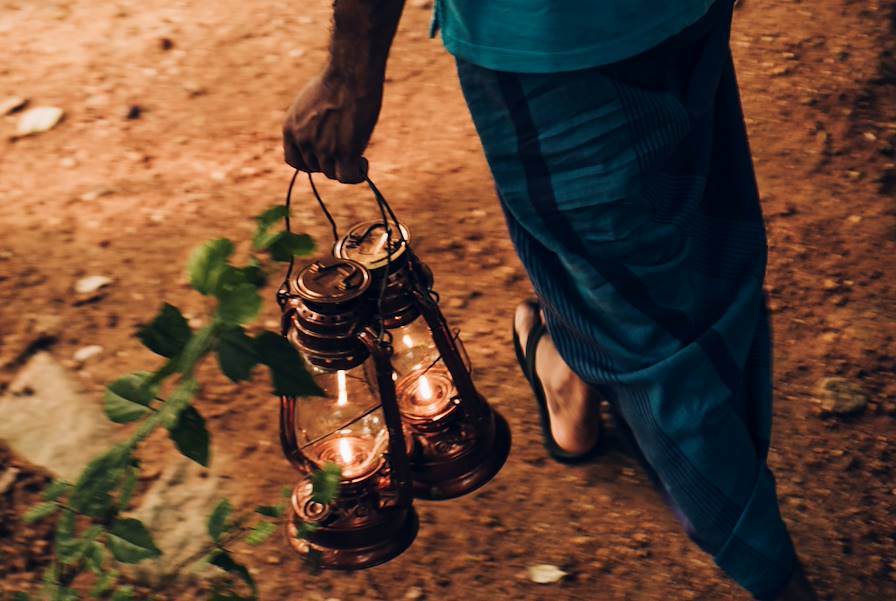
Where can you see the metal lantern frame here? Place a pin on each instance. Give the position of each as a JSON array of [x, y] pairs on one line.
[[450, 455], [463, 450], [373, 519]]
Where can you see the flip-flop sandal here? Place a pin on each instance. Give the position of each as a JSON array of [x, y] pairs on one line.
[[527, 364]]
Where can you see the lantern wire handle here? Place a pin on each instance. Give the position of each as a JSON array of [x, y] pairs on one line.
[[286, 223], [384, 208], [379, 303], [323, 207]]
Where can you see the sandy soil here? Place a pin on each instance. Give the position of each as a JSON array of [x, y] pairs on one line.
[[129, 198]]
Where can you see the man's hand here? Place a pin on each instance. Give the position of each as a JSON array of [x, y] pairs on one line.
[[329, 124]]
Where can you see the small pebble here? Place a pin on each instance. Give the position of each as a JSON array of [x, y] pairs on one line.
[[91, 284], [87, 352], [413, 593]]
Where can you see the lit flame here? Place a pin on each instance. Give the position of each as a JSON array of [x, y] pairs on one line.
[[425, 389], [408, 341], [345, 451], [342, 399]]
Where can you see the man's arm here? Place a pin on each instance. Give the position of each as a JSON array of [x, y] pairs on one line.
[[329, 124]]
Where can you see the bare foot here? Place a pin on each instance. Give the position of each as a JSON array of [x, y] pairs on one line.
[[572, 405]]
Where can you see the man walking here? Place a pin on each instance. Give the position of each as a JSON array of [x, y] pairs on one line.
[[615, 136]]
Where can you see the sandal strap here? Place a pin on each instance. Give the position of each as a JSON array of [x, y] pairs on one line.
[[532, 340]]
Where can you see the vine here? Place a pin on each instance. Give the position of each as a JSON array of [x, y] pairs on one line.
[[92, 534]]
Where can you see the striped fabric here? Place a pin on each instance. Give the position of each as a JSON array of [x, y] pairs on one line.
[[630, 197]]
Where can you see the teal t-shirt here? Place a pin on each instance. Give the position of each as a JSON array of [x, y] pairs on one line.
[[544, 36]]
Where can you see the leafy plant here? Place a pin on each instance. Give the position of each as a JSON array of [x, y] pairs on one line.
[[91, 534]]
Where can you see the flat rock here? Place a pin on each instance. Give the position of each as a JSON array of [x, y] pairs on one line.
[[175, 508], [12, 104], [839, 396], [545, 574], [85, 353], [46, 419], [91, 283], [38, 120]]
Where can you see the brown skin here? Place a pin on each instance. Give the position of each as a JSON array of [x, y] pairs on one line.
[[330, 122]]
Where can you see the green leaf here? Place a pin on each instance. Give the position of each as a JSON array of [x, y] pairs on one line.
[[287, 245], [190, 435], [56, 489], [104, 583], [228, 596], [19, 597], [287, 368], [236, 354], [93, 557], [272, 216], [128, 398], [239, 304], [272, 511], [217, 523], [260, 533], [40, 512], [206, 264], [255, 275], [49, 575], [325, 483], [263, 236], [167, 334], [124, 593], [91, 493], [63, 593], [223, 560], [130, 541], [69, 548]]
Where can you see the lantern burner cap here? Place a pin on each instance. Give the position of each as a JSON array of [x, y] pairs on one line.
[[331, 281], [328, 307], [368, 243]]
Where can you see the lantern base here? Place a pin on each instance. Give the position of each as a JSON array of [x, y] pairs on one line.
[[355, 549], [438, 473]]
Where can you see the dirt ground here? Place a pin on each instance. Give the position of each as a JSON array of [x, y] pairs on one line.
[[130, 197]]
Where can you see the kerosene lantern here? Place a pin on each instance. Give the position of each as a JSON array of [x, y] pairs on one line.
[[459, 441], [328, 317]]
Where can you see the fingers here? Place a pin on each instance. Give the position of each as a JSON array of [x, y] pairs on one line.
[[328, 167], [291, 154], [351, 170], [347, 170]]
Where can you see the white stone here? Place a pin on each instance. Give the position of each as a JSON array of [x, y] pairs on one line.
[[47, 420], [39, 119], [91, 283], [8, 478], [545, 573], [86, 353], [839, 396], [175, 508], [13, 103]]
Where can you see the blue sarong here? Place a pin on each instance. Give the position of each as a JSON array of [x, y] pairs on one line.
[[631, 200]]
